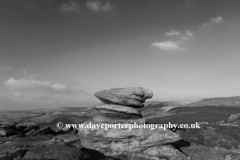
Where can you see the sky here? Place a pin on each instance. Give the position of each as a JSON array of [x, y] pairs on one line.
[[58, 53]]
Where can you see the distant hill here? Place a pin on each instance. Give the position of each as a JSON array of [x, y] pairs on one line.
[[219, 101], [159, 109], [156, 104]]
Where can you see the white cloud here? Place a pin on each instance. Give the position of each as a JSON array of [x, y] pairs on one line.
[[99, 6], [71, 7], [188, 33], [25, 83], [213, 21], [17, 94], [172, 33], [177, 44], [168, 46], [30, 89]]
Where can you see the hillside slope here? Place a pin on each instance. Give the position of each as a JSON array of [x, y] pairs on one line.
[[220, 101]]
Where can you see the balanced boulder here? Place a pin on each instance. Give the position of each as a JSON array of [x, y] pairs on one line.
[[120, 131], [131, 96]]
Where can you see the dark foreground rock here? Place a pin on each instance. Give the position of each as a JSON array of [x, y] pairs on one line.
[[43, 131], [16, 147], [10, 125], [234, 118], [67, 139], [53, 152], [4, 132]]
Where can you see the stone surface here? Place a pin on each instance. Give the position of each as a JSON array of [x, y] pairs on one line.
[[158, 153], [43, 131], [16, 147], [108, 119], [6, 132], [234, 117], [67, 139], [118, 111], [7, 125], [53, 152], [131, 96], [21, 126], [114, 142]]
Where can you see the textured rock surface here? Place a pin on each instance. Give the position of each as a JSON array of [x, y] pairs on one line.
[[131, 96], [109, 134], [7, 125], [108, 119], [114, 142], [53, 152], [67, 139], [234, 117], [17, 147], [43, 131], [6, 132], [118, 111], [159, 153], [27, 125]]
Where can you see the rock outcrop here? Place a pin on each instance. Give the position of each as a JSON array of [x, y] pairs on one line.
[[67, 139], [53, 152], [234, 118], [38, 143], [121, 132], [132, 96]]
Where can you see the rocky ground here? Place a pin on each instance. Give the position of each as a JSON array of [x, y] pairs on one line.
[[28, 141]]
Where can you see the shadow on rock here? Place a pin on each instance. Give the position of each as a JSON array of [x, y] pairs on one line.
[[90, 154], [180, 144]]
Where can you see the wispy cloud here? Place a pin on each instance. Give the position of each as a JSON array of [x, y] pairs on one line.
[[168, 46], [213, 21], [188, 33], [71, 7], [177, 44], [99, 6], [172, 33], [31, 89], [6, 67]]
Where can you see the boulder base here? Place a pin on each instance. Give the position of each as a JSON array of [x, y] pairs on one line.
[[114, 120]]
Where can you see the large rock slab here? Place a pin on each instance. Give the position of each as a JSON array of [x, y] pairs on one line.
[[10, 125], [67, 139], [234, 117], [21, 126], [17, 147], [117, 141], [43, 131], [157, 153], [118, 111], [53, 152], [4, 132], [115, 120], [131, 96]]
